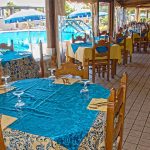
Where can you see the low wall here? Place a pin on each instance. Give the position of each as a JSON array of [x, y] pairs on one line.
[[4, 26]]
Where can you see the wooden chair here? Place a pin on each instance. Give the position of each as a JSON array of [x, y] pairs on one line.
[[6, 47], [121, 40], [79, 38], [2, 144], [144, 40], [100, 60], [73, 69], [115, 116], [141, 41], [136, 41]]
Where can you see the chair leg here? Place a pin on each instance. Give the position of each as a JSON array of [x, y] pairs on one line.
[[130, 58], [112, 68], [108, 68], [99, 70], [93, 73], [126, 56], [103, 71]]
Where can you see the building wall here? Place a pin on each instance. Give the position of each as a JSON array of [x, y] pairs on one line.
[[4, 26]]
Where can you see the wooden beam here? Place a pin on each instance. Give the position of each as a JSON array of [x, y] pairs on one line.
[[137, 13], [133, 3], [111, 18], [50, 24]]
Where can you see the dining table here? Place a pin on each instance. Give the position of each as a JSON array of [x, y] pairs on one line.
[[55, 116], [18, 65], [83, 51]]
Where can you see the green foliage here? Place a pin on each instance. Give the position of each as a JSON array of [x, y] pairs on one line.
[[103, 25], [40, 9], [130, 11], [68, 9], [11, 3]]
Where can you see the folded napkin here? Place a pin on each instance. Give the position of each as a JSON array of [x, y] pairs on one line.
[[4, 90], [6, 121], [99, 104], [66, 81]]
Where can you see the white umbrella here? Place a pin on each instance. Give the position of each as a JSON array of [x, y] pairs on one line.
[[25, 15]]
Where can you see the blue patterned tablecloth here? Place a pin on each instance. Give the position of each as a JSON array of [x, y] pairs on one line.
[[12, 55], [52, 110], [19, 65], [75, 46]]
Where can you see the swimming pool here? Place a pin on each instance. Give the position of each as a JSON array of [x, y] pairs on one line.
[[22, 39]]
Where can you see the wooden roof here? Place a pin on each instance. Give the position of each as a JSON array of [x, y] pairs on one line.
[[134, 3], [124, 3]]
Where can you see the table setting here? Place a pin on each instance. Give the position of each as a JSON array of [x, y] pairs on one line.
[[56, 112]]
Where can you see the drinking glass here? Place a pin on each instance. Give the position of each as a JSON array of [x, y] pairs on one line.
[[85, 89], [18, 94], [5, 78], [52, 76]]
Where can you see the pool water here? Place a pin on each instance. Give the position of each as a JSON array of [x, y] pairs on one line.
[[22, 39]]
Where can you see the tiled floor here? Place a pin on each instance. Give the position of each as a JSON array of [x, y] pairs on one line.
[[137, 119]]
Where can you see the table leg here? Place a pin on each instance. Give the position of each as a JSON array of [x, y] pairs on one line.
[[113, 67]]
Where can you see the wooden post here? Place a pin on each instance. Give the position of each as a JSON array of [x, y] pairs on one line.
[[97, 17], [12, 45], [50, 25], [124, 16], [137, 14], [111, 18], [147, 12]]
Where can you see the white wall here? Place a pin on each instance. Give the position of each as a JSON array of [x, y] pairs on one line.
[[4, 26]]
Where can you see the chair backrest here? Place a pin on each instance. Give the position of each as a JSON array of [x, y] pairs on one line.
[[41, 60], [121, 40], [79, 38], [2, 144], [101, 49], [115, 115], [73, 69], [6, 47]]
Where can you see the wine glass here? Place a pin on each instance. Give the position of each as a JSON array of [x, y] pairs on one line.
[[52, 76], [18, 94], [85, 89], [5, 78]]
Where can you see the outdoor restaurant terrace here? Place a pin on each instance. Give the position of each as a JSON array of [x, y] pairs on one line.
[[75, 78]]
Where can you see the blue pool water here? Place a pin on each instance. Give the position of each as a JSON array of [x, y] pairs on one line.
[[22, 39]]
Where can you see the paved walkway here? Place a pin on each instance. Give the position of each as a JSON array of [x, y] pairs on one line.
[[137, 119]]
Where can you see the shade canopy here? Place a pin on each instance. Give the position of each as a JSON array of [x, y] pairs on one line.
[[84, 13], [83, 1], [25, 15]]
